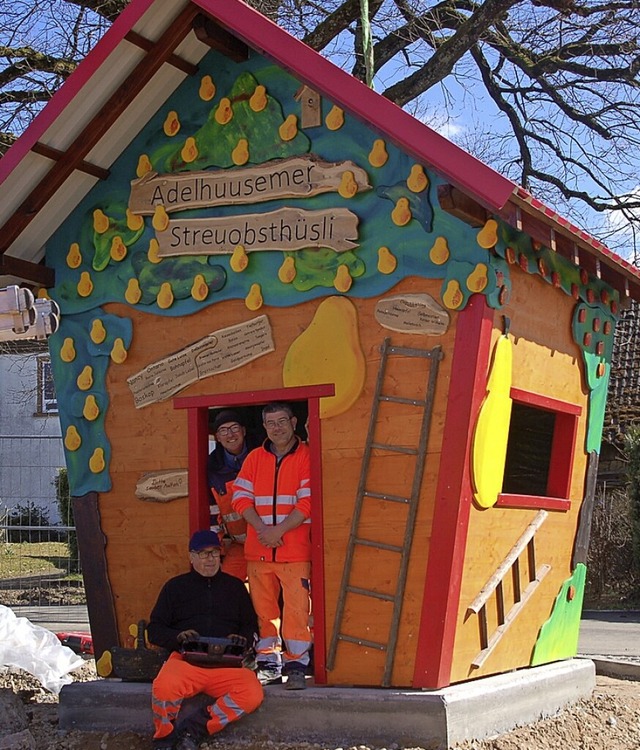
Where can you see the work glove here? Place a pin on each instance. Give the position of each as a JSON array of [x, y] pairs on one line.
[[238, 640], [187, 635]]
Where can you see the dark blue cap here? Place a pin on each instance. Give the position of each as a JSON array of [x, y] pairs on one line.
[[202, 539]]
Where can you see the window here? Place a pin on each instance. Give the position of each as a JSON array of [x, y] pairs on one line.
[[47, 401], [540, 450]]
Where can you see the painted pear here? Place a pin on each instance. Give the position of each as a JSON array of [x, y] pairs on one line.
[[335, 118], [207, 89], [74, 257], [378, 155], [387, 261], [254, 300]]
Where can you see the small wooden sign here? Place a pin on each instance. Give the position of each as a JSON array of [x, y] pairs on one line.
[[286, 229], [412, 313], [296, 177], [220, 351], [163, 486]]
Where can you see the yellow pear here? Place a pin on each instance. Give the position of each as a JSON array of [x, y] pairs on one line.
[[348, 185], [91, 410], [224, 113], [135, 222], [165, 296], [98, 332], [387, 261], [239, 259], [200, 289], [96, 462], [207, 89], [68, 350], [104, 665], [74, 257], [258, 99], [439, 253], [72, 439], [118, 249], [453, 296], [144, 166], [287, 271], [487, 237], [240, 154], [335, 118], [152, 252], [160, 219], [417, 180], [343, 280], [401, 214], [84, 381], [100, 221], [289, 128], [477, 280], [133, 293], [254, 300], [118, 352], [85, 285], [329, 351], [171, 124], [378, 155], [189, 151]]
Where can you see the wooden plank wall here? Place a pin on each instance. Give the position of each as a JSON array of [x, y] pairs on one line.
[[146, 542]]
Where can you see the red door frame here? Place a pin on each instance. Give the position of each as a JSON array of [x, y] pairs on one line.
[[454, 494], [198, 436]]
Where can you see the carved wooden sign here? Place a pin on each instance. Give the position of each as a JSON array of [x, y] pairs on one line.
[[412, 313], [296, 177], [284, 229], [163, 486], [220, 351]]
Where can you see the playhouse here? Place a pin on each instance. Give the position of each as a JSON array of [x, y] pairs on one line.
[[225, 218]]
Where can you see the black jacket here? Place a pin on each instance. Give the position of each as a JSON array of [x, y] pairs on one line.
[[216, 607]]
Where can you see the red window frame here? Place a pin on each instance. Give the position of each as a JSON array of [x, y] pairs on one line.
[[562, 454]]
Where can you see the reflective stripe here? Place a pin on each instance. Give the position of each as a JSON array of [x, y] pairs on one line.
[[297, 651], [229, 517], [243, 484], [242, 538]]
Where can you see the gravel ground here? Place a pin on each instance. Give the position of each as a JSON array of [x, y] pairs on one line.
[[609, 719]]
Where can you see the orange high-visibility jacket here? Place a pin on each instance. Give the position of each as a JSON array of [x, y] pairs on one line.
[[274, 490]]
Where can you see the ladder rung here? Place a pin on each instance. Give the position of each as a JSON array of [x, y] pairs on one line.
[[362, 642], [378, 545], [400, 400], [409, 352], [373, 594], [395, 448], [390, 498]]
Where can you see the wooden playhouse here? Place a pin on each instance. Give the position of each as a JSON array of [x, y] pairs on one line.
[[225, 219]]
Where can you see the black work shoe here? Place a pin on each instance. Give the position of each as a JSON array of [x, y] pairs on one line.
[[268, 673], [187, 741], [295, 681]]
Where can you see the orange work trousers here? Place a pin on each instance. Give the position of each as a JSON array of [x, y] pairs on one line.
[[234, 562], [266, 579], [236, 692]]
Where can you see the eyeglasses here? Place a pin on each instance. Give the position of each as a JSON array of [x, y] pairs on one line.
[[280, 423], [204, 553], [224, 431]]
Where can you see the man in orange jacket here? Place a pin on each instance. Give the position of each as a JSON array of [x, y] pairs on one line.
[[232, 447], [273, 494]]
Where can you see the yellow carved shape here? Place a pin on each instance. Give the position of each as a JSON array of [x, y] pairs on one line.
[[96, 462], [348, 185], [189, 151], [254, 300], [200, 288], [343, 280], [207, 89], [104, 665], [91, 410], [133, 293], [100, 221], [287, 271], [417, 180], [171, 124], [239, 259], [240, 154], [329, 351], [72, 439], [68, 350], [487, 237], [378, 155], [401, 214], [134, 221], [118, 352], [74, 257], [439, 253], [453, 296], [258, 99], [160, 219], [118, 249], [98, 332], [144, 166], [335, 119], [289, 128], [224, 113], [84, 381], [43, 293], [85, 285], [491, 433], [387, 261], [477, 280], [152, 252], [165, 296]]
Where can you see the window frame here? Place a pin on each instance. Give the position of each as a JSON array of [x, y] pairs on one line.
[[46, 407], [563, 446]]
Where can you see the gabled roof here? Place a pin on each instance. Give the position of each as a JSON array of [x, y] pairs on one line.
[[150, 49]]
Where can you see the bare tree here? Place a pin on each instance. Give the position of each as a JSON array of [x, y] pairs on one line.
[[547, 90]]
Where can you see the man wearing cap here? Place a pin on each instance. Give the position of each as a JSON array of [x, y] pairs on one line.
[[273, 493], [232, 447], [203, 602]]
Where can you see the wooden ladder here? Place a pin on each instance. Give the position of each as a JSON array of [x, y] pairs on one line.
[[356, 541]]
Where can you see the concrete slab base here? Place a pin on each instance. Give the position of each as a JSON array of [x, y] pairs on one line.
[[354, 716]]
